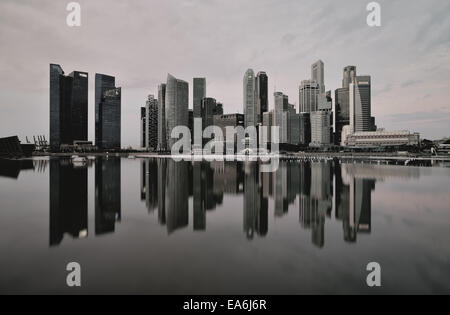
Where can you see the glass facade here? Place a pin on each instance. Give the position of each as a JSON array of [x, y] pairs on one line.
[[107, 113], [68, 107]]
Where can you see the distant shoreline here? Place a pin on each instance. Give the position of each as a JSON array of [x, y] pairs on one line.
[[400, 156]]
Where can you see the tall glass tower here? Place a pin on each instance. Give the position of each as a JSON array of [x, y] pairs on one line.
[[262, 99], [68, 107], [317, 74], [107, 113], [199, 95], [250, 110], [177, 104]]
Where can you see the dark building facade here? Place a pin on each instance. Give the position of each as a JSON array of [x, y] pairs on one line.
[[107, 113], [305, 129], [68, 107], [262, 95], [342, 107], [199, 95], [143, 127]]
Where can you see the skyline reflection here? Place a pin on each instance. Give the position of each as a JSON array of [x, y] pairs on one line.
[[175, 190]]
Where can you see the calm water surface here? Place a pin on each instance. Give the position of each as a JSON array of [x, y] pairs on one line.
[[160, 227]]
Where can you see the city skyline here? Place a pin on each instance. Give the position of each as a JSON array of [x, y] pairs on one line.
[[408, 85]]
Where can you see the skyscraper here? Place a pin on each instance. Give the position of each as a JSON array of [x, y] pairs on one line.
[[177, 103], [349, 76], [281, 115], [151, 129], [308, 96], [143, 127], [209, 109], [250, 110], [68, 107], [342, 107], [262, 95], [108, 101], [320, 128], [294, 125], [162, 144], [360, 104], [305, 128], [317, 74], [199, 95]]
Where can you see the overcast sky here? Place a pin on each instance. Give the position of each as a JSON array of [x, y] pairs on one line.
[[140, 41]]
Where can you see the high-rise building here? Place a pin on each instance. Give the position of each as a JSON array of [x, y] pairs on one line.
[[199, 95], [281, 113], [308, 96], [322, 122], [317, 74], [209, 109], [305, 128], [228, 120], [262, 95], [294, 125], [268, 123], [320, 128], [162, 144], [68, 107], [108, 101], [151, 108], [177, 103], [349, 76], [342, 105], [342, 112], [360, 104], [250, 102], [143, 127]]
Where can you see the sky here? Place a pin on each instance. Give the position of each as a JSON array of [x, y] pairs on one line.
[[141, 41]]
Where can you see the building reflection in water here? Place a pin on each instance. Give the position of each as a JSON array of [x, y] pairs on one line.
[[68, 200], [107, 194], [166, 184], [318, 188], [12, 168]]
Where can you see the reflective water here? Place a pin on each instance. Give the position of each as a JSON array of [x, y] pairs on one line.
[[157, 226]]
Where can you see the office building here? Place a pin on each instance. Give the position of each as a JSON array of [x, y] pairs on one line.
[[281, 114], [349, 76], [199, 95], [107, 113], [151, 108], [68, 107], [250, 102], [143, 127], [308, 96], [360, 104], [177, 103], [262, 95], [294, 125], [318, 75], [320, 128], [162, 145], [228, 120], [268, 123], [305, 129], [342, 103]]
